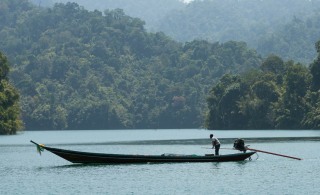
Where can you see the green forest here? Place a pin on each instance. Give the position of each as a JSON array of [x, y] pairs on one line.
[[279, 95], [81, 69]]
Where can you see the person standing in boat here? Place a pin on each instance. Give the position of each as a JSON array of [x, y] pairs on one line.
[[215, 144]]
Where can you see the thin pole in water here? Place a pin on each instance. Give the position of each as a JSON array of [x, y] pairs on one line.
[[273, 153]]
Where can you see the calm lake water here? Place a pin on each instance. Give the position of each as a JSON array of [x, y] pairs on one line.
[[24, 171]]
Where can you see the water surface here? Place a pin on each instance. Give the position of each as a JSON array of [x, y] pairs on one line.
[[23, 171], [101, 136]]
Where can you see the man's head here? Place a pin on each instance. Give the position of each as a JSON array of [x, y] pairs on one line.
[[211, 135]]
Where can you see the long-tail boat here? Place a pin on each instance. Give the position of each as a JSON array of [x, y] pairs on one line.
[[88, 157]]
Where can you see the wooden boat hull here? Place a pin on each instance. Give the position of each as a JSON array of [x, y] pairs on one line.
[[88, 157]]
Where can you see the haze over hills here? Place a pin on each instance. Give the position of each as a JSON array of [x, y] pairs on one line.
[[148, 10], [288, 28]]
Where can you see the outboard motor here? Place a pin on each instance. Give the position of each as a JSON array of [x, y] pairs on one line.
[[239, 145]]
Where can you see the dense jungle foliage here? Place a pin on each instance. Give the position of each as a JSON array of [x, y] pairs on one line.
[[281, 95], [287, 28], [10, 121], [80, 69]]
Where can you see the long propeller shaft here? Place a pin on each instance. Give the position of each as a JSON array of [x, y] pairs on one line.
[[273, 153]]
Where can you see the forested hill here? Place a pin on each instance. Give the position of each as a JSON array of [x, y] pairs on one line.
[[280, 95], [80, 69], [288, 28]]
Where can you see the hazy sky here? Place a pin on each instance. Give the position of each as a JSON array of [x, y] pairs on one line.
[[187, 1]]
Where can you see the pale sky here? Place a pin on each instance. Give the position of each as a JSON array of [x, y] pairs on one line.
[[187, 1]]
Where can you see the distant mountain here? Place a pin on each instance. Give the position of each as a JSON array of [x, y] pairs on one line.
[[288, 28], [151, 11]]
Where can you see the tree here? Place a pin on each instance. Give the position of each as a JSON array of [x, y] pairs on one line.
[[292, 107], [315, 70], [10, 121], [273, 64], [224, 111]]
